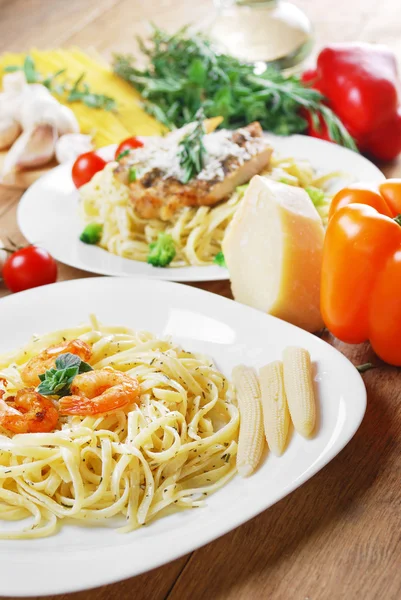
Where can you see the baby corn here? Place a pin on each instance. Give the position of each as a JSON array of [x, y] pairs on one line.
[[250, 443], [299, 389], [274, 405]]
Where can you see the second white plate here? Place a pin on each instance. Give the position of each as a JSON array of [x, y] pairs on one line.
[[79, 557], [48, 212]]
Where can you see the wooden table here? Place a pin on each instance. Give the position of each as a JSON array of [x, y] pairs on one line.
[[338, 536]]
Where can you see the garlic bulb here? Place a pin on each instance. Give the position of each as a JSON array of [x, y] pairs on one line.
[[71, 145], [14, 83], [42, 119], [41, 109], [33, 148]]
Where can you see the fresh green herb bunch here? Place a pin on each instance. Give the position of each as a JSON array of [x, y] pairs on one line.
[[191, 149], [185, 71]]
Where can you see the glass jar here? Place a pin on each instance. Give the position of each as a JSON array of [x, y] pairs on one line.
[[262, 31]]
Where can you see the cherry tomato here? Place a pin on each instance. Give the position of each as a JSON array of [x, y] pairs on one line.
[[85, 167], [28, 268], [128, 144]]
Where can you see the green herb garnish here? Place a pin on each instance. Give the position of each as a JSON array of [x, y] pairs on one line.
[[122, 154], [79, 91], [57, 381], [31, 75], [365, 367], [185, 72], [92, 233], [162, 252], [191, 149], [220, 260], [131, 174], [316, 195]]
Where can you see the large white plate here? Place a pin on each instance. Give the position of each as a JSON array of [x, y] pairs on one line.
[[81, 557], [48, 212]]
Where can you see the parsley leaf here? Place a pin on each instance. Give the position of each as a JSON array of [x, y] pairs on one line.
[[57, 381]]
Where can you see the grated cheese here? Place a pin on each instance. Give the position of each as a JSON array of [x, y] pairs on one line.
[[163, 153]]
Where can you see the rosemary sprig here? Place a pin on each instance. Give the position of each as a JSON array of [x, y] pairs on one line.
[[185, 71], [192, 150], [79, 91]]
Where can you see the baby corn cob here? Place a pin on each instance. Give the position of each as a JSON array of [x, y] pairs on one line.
[[250, 443], [299, 389], [276, 417]]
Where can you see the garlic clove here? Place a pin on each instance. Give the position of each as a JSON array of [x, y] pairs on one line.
[[9, 131], [34, 148], [66, 121], [71, 145], [14, 83], [38, 109]]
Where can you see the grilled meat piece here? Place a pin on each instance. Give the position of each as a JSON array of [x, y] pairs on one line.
[[232, 159]]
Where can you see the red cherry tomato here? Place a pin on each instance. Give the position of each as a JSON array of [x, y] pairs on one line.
[[28, 268], [128, 144], [85, 167]]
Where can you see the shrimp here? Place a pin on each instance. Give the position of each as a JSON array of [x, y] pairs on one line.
[[28, 412], [46, 360], [97, 392]]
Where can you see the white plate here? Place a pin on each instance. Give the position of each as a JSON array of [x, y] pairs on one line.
[[48, 212], [78, 558]]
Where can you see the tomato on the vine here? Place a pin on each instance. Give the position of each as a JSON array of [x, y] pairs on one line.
[[28, 268], [85, 167], [129, 144]]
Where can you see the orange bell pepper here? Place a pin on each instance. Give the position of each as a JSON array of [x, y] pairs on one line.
[[361, 273]]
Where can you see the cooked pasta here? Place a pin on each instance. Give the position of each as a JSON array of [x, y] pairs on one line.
[[197, 232], [167, 452]]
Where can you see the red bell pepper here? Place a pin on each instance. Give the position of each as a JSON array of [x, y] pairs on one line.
[[360, 82]]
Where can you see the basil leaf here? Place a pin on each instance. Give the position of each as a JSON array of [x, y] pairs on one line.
[[64, 361], [84, 367], [57, 382]]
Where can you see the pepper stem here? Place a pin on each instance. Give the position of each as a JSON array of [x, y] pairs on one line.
[[397, 219]]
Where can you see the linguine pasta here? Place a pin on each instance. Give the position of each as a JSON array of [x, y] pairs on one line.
[[172, 450], [197, 232]]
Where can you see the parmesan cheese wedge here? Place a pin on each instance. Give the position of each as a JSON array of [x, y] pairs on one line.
[[273, 249]]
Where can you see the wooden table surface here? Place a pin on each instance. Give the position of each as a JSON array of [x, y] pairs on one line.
[[338, 536]]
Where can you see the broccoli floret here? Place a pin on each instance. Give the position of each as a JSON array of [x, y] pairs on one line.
[[316, 195], [161, 252], [220, 260], [92, 233]]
